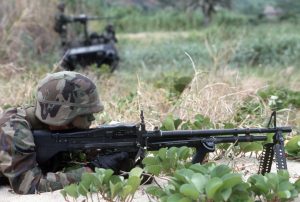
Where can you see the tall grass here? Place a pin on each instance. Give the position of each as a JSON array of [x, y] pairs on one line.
[[232, 59]]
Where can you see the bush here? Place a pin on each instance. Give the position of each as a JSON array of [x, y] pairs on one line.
[[231, 18], [279, 98], [267, 50], [211, 182]]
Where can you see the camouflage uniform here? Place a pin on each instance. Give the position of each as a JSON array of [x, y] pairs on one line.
[[75, 95]]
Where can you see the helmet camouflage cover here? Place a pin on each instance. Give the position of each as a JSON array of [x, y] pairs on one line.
[[62, 96]]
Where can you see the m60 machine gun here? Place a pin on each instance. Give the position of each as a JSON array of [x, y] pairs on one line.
[[94, 48], [136, 140]]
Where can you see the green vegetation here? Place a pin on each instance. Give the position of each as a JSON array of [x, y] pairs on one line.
[[110, 187], [184, 75], [279, 98], [208, 182]]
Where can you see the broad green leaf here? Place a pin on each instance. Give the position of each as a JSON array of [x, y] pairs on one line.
[[189, 190], [96, 183], [175, 182], [155, 191], [242, 187], [283, 175], [71, 190], [164, 199], [297, 185], [199, 117], [137, 171], [284, 194], [220, 171], [273, 180], [86, 180], [212, 187], [170, 189], [186, 126], [162, 153], [184, 175], [167, 164], [262, 185], [172, 153], [126, 191], [285, 185], [174, 198], [199, 181], [116, 178], [168, 123], [259, 184], [153, 169], [231, 179], [107, 175], [82, 189], [294, 193], [241, 197], [115, 189], [198, 168], [225, 193], [185, 199], [198, 125], [177, 122], [229, 125], [210, 166], [99, 171], [134, 182], [184, 152], [202, 122], [293, 145], [151, 161]]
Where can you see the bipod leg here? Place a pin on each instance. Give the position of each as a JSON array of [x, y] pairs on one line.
[[279, 151], [271, 149], [266, 159]]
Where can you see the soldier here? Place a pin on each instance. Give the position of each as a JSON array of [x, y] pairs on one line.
[[60, 24], [65, 100], [208, 8], [110, 34]]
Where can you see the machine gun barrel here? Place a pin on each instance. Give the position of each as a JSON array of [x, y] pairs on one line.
[[154, 144], [219, 132]]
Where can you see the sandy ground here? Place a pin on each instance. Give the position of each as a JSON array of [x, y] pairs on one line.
[[245, 165]]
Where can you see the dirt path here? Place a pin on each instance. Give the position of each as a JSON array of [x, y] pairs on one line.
[[158, 35]]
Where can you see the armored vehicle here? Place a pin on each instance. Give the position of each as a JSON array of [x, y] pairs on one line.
[[93, 48]]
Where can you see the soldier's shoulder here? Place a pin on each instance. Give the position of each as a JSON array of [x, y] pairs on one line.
[[24, 115], [33, 120], [7, 114]]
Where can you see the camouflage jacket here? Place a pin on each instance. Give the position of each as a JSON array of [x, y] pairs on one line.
[[18, 157]]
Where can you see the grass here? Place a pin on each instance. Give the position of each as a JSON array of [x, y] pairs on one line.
[[219, 59]]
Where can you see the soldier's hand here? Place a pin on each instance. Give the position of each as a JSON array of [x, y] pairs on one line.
[[88, 169]]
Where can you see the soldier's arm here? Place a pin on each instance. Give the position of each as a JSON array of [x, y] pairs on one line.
[[18, 162]]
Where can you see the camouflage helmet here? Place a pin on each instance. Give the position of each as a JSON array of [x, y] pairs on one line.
[[61, 6], [64, 95]]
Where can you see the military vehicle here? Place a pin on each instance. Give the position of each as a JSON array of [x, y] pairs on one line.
[[93, 48]]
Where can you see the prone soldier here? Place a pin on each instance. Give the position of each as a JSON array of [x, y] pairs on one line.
[[65, 100]]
